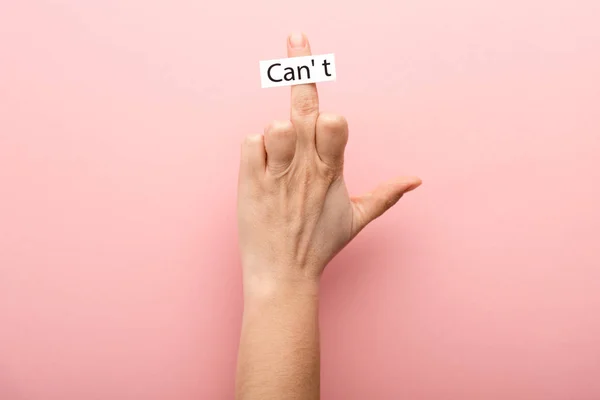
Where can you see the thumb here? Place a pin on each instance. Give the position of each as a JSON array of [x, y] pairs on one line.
[[371, 205]]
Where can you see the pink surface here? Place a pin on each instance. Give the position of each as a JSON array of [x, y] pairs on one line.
[[119, 131]]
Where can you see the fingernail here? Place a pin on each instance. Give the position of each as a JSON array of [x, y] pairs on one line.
[[297, 41]]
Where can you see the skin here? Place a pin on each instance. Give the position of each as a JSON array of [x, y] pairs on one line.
[[294, 216]]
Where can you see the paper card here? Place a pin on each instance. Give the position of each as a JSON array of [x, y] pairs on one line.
[[297, 70]]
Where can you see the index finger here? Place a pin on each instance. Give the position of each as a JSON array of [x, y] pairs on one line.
[[305, 99]]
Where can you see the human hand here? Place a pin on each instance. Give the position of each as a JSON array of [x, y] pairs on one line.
[[294, 211]]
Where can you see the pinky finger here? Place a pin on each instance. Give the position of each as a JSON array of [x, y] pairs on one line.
[[253, 156]]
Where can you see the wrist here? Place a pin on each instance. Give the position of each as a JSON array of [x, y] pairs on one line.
[[259, 289]]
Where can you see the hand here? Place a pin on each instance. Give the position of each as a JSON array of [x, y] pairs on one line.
[[294, 211]]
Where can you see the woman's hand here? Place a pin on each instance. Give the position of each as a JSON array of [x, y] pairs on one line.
[[294, 210]]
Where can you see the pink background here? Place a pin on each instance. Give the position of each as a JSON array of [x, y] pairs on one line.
[[120, 124]]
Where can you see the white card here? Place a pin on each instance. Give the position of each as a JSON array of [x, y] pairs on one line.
[[297, 70]]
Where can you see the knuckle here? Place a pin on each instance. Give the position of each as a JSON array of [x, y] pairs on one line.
[[277, 127], [251, 140], [333, 121]]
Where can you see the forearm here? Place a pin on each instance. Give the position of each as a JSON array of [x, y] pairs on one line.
[[279, 345]]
